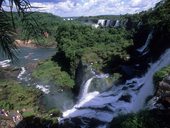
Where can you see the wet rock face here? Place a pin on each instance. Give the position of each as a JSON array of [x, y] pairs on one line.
[[126, 98], [163, 91], [83, 73], [9, 73], [32, 66]]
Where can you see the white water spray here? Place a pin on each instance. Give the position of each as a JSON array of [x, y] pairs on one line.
[[43, 88], [86, 87], [23, 71], [5, 63], [122, 99], [85, 96]]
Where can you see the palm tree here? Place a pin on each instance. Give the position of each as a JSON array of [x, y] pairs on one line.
[[7, 24]]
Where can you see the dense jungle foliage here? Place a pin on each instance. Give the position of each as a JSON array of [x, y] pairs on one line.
[[105, 49], [38, 27]]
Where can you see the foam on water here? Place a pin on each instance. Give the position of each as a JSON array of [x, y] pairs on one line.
[[85, 96], [43, 88], [23, 71], [122, 99], [81, 102], [5, 63]]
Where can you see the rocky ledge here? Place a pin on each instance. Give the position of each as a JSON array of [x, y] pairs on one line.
[[8, 72], [25, 43], [163, 92]]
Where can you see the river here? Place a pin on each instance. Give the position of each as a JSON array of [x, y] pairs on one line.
[[98, 109], [93, 109], [27, 56]]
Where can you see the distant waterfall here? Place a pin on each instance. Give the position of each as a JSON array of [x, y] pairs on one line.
[[101, 22], [108, 23], [122, 99], [117, 23], [143, 49]]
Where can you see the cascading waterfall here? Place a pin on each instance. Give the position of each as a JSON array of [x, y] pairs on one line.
[[86, 87], [121, 99], [148, 88], [84, 95], [143, 49], [117, 23], [101, 22], [108, 23], [25, 77]]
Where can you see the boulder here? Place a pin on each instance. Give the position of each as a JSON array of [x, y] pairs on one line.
[[167, 79], [6, 73], [163, 92], [126, 98]]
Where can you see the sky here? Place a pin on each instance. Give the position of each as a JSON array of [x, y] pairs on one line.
[[68, 8]]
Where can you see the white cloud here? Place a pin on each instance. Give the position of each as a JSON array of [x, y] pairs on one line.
[[94, 7]]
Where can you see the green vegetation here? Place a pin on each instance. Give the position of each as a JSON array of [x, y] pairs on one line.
[[43, 26], [144, 119], [98, 46], [49, 72], [159, 75], [15, 96], [103, 48], [7, 26], [159, 15], [115, 78]]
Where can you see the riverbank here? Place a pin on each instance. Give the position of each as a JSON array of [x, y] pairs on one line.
[[31, 44]]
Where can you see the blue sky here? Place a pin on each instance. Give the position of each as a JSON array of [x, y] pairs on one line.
[[92, 7]]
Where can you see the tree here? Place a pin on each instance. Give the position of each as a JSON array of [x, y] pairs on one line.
[[7, 24]]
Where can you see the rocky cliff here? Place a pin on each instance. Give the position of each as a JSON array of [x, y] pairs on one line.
[[163, 92]]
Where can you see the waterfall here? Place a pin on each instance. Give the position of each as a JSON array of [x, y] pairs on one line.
[[143, 49], [86, 87], [101, 22], [117, 23], [84, 95], [108, 23], [148, 88], [122, 99], [25, 77]]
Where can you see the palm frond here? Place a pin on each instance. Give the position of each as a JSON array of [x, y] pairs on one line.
[[7, 24]]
